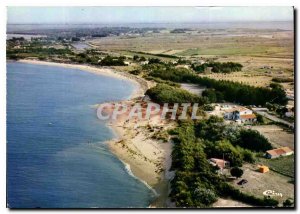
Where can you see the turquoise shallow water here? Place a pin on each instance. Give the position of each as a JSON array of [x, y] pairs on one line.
[[49, 122]]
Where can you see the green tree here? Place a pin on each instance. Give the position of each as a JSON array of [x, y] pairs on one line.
[[288, 203], [236, 172], [204, 196], [248, 156], [210, 94], [154, 61], [259, 118], [253, 140], [225, 149], [136, 57]]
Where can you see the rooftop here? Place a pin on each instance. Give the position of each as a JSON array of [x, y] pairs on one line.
[[219, 162], [248, 116], [279, 151]]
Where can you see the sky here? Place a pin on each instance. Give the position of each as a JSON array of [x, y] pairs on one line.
[[69, 15]]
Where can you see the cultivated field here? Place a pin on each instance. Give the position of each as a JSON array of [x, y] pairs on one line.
[[265, 54]]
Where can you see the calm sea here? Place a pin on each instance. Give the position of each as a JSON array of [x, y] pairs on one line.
[[50, 120]]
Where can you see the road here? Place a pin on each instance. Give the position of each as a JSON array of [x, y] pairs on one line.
[[274, 118]]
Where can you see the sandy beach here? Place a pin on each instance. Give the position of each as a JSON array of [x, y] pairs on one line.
[[148, 156], [135, 144]]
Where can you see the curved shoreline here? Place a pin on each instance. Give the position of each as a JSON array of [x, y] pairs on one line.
[[148, 172], [107, 71]]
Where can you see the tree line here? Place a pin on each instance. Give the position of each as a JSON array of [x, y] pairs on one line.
[[218, 67], [221, 89]]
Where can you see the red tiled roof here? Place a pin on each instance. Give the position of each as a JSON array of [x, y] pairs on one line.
[[248, 116], [219, 162], [279, 151]]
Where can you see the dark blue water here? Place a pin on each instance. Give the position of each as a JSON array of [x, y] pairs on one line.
[[50, 119]]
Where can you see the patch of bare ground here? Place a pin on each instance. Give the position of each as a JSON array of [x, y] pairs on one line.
[[277, 136], [227, 202], [260, 182]]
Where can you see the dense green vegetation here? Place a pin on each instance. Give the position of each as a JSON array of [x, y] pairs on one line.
[[253, 140], [36, 51], [163, 93], [196, 182], [218, 67], [180, 30], [93, 59], [43, 52], [223, 90], [157, 55], [138, 58], [223, 141], [112, 61], [154, 61], [158, 80], [213, 96]]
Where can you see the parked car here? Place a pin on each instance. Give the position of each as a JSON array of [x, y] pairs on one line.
[[242, 182]]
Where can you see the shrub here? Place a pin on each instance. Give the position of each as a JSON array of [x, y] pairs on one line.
[[288, 203], [154, 61], [236, 172]]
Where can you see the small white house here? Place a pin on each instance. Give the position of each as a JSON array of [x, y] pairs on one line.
[[145, 62], [240, 114]]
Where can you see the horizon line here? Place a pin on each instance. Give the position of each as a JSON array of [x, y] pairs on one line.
[[95, 23]]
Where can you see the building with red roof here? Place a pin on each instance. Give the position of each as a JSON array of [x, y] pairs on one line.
[[275, 153]]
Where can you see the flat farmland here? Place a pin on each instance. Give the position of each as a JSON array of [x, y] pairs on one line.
[[264, 54], [194, 43]]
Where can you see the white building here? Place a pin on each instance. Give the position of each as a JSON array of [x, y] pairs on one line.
[[240, 114], [145, 62]]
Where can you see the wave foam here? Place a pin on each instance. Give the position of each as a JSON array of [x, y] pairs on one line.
[[129, 171]]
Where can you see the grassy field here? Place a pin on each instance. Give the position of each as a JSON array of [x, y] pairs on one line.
[[254, 49], [258, 71], [261, 43], [233, 49], [282, 165]]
